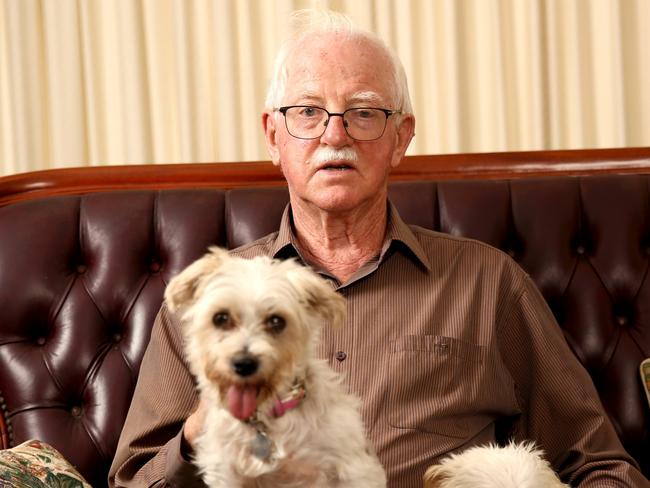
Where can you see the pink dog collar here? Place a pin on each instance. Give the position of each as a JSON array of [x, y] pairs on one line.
[[291, 401]]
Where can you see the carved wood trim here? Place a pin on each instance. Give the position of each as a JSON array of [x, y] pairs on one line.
[[506, 165]]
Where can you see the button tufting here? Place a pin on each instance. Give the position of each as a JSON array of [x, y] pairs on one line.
[[40, 341], [580, 250], [76, 411], [81, 268], [155, 267], [340, 356], [622, 320], [117, 337]]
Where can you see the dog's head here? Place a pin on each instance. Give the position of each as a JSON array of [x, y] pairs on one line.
[[511, 466], [250, 325]]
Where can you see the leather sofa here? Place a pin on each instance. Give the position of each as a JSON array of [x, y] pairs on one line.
[[85, 255]]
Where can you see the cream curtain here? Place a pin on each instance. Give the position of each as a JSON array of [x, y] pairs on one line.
[[91, 82]]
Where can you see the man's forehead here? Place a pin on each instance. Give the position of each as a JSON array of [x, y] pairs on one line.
[[316, 95], [354, 67], [334, 46]]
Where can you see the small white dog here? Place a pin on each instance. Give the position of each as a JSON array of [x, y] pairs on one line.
[[511, 466], [278, 416]]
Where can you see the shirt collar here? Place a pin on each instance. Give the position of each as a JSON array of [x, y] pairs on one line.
[[284, 246], [400, 232], [399, 236]]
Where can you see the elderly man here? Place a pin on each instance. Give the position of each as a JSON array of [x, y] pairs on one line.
[[448, 343]]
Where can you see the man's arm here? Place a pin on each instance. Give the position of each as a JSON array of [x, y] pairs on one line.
[[149, 452], [561, 409]]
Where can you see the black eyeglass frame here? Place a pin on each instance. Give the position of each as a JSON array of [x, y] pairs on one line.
[[387, 113]]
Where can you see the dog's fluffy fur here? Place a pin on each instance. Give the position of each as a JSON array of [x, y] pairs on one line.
[[512, 466], [268, 314]]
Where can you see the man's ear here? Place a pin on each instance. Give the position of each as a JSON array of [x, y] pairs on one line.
[[405, 132], [270, 134]]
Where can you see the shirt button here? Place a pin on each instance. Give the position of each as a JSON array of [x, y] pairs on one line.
[[340, 356]]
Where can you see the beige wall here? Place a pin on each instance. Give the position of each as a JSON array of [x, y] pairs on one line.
[[89, 82]]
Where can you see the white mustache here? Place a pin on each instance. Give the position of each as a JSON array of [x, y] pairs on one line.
[[327, 154]]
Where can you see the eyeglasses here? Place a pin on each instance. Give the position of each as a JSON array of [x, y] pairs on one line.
[[361, 124]]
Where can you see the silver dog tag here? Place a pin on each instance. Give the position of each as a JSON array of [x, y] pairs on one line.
[[261, 446]]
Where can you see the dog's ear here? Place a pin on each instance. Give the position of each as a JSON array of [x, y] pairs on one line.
[[318, 295], [182, 289], [435, 476]]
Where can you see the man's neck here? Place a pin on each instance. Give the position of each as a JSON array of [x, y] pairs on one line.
[[340, 243]]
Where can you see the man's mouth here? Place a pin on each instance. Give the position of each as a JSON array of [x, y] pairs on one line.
[[336, 167]]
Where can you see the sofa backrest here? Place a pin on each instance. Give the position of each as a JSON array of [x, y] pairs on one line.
[[82, 277]]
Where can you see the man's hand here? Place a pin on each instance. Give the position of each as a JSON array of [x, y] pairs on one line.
[[194, 424]]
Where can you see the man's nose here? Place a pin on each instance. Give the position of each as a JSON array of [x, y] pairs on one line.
[[335, 134]]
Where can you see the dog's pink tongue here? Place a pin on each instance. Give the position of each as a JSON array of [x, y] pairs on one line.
[[242, 401]]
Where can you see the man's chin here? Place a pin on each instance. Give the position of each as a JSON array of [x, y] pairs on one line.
[[338, 200]]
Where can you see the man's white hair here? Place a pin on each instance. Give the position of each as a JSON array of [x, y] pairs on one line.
[[309, 22]]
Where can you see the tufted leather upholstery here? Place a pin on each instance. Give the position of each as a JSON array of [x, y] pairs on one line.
[[82, 276]]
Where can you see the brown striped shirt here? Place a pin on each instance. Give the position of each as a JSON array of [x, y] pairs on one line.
[[448, 343]]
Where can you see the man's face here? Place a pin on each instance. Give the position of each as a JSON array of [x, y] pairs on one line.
[[336, 73]]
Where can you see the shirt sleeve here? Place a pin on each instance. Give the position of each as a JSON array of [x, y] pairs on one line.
[[561, 409], [149, 449]]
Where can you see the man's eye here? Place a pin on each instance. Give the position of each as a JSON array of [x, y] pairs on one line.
[[365, 114], [308, 112]]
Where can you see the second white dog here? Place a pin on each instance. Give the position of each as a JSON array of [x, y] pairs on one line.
[[277, 416], [511, 466]]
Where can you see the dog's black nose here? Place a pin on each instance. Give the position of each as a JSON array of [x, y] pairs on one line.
[[245, 366]]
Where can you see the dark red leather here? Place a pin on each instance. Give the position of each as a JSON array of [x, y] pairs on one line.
[[81, 279]]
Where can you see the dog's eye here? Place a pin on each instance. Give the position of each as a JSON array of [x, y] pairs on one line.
[[221, 319], [276, 323]]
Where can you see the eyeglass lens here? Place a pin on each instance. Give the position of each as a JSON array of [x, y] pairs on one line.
[[362, 124]]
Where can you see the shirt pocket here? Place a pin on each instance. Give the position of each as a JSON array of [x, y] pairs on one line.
[[436, 385]]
